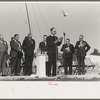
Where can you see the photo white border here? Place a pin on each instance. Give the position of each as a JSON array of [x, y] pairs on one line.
[[42, 89]]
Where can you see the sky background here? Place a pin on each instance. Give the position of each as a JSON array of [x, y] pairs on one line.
[[83, 18]]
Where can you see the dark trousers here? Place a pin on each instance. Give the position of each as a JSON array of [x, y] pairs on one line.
[[3, 63], [28, 65], [80, 60], [51, 64], [46, 68], [15, 65], [68, 63]]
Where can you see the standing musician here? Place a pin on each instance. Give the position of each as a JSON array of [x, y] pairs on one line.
[[68, 50]]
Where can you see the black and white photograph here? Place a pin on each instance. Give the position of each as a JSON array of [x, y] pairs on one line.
[[52, 42]]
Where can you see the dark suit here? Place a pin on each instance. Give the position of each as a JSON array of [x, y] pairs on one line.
[[81, 53], [43, 46], [3, 57], [68, 57], [15, 57], [52, 54], [28, 48]]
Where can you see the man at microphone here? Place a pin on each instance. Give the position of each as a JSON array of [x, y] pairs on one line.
[[82, 47], [68, 50], [52, 50]]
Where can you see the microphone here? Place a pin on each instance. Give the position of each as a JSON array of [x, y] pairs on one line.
[[64, 33], [64, 38]]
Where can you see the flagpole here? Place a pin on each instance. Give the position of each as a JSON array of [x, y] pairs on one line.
[[28, 18]]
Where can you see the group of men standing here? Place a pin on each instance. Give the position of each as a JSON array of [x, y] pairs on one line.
[[16, 54], [48, 45]]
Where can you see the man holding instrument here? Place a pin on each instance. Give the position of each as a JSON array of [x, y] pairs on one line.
[[68, 50]]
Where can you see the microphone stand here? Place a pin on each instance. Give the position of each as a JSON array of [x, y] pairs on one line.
[[56, 57], [64, 51]]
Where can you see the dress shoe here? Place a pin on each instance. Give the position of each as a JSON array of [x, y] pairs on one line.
[[79, 73], [4, 75], [49, 76], [70, 73], [12, 74], [17, 74], [28, 74], [66, 73], [53, 75]]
